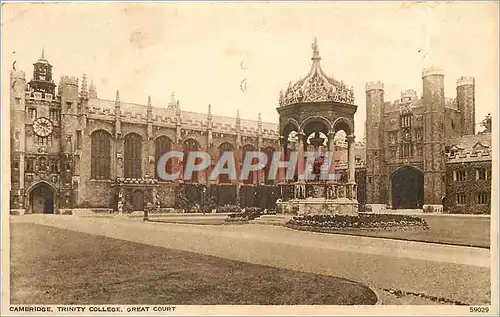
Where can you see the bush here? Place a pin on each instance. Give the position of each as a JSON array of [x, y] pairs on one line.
[[14, 212], [369, 221], [127, 207], [67, 212]]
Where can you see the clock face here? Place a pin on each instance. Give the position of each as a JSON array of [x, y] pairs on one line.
[[42, 127]]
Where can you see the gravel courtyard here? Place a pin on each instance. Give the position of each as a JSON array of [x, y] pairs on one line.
[[387, 266]]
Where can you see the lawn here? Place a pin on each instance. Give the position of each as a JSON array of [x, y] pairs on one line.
[[56, 266], [466, 231]]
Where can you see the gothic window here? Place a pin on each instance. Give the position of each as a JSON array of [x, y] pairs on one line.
[[133, 156], [191, 145], [269, 153], [163, 144], [30, 165], [406, 150], [480, 174], [32, 113], [460, 176], [461, 199], [54, 165], [78, 140], [54, 114], [43, 140], [247, 148], [405, 121], [482, 198], [100, 154], [224, 147]]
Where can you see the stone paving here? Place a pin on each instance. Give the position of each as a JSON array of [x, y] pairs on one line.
[[451, 272]]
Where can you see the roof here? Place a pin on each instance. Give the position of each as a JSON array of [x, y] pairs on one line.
[[316, 86], [189, 119]]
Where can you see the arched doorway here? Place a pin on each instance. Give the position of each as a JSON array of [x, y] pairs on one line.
[[407, 188], [41, 199], [138, 200]]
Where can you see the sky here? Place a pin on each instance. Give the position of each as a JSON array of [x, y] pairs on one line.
[[203, 51]]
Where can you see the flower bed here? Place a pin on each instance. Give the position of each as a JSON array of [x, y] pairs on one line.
[[361, 222]]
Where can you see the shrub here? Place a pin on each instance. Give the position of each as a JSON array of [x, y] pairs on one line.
[[14, 212], [127, 207], [369, 221], [67, 212]]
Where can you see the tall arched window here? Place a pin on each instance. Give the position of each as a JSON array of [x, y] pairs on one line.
[[269, 153], [245, 149], [191, 145], [133, 156], [163, 144], [100, 154], [224, 147]]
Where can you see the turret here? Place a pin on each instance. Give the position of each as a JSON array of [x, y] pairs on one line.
[[17, 134], [84, 92], [92, 90], [118, 126], [434, 170], [150, 119], [375, 143], [68, 92], [466, 104]]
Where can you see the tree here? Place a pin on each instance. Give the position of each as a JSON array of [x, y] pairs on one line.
[[486, 124]]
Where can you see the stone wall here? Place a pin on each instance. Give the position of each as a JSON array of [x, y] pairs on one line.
[[469, 187]]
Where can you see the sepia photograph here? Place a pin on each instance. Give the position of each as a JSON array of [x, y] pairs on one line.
[[257, 158]]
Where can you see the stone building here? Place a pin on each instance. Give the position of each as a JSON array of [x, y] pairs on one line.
[[424, 152], [71, 149]]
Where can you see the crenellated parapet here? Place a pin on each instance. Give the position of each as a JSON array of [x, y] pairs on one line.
[[465, 80], [469, 156], [17, 74], [409, 95], [432, 70], [68, 80], [374, 85]]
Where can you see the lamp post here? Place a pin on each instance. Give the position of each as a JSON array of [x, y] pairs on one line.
[[202, 204]]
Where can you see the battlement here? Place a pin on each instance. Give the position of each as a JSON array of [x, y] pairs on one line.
[[465, 80], [68, 80], [18, 74], [408, 95], [469, 156], [432, 70], [374, 85]]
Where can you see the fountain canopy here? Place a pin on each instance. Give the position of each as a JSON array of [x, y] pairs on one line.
[[316, 87]]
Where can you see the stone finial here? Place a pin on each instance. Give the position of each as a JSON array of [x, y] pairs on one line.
[[315, 49], [209, 109], [84, 86], [238, 120], [149, 101], [117, 99]]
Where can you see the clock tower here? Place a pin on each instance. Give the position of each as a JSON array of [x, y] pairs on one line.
[[42, 81]]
